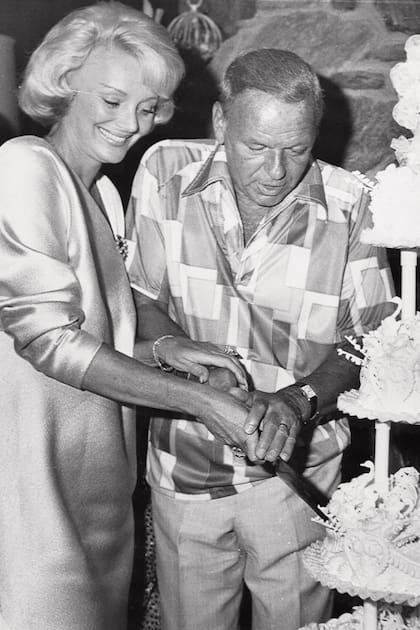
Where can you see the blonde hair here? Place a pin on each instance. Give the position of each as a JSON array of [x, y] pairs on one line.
[[45, 93]]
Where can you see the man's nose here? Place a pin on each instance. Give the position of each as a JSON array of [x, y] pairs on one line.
[[275, 164]]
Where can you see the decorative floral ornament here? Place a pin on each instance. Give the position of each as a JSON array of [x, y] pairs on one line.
[[122, 246], [192, 30]]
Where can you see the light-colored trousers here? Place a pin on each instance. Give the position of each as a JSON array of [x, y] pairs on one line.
[[206, 550]]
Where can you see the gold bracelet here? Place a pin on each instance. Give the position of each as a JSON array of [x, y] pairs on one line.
[[165, 367]]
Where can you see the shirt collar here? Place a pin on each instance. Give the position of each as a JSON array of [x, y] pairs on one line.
[[215, 169], [311, 188]]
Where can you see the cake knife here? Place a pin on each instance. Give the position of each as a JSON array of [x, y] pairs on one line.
[[299, 484], [302, 487]]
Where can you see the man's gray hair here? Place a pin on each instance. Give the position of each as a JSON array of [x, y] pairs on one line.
[[274, 71]]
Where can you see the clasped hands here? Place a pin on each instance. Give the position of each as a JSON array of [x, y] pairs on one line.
[[263, 426], [271, 425]]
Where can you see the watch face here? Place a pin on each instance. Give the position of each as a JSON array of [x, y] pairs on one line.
[[309, 392], [311, 396]]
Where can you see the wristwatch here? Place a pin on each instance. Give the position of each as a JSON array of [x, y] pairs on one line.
[[310, 395]]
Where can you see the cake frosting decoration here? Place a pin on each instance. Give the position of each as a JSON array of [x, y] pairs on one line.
[[395, 207], [405, 78], [395, 203], [390, 371], [372, 543], [390, 617]]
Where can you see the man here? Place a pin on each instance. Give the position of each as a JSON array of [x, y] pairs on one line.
[[248, 241]]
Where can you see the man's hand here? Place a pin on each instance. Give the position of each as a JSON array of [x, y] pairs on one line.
[[278, 419], [222, 379]]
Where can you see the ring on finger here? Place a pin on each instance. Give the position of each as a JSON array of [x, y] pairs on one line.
[[283, 424], [238, 452], [230, 351]]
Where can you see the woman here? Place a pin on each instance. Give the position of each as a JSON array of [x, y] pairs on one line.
[[100, 80]]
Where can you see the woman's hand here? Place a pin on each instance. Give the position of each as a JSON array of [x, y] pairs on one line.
[[225, 417], [187, 355]]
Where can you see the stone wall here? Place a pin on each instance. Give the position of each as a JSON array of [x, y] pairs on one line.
[[352, 44]]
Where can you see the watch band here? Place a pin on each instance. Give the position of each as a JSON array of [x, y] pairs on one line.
[[311, 397]]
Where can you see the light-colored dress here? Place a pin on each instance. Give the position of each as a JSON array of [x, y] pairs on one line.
[[67, 457]]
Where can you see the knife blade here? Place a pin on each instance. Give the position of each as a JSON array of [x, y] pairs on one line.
[[302, 487]]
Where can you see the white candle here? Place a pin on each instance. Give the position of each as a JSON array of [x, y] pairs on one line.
[[408, 282], [370, 615], [382, 430]]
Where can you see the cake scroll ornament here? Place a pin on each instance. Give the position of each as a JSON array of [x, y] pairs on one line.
[[390, 369]]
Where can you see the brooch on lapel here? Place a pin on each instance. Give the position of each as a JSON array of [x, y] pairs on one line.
[[122, 246]]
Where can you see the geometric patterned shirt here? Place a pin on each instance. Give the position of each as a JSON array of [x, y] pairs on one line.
[[300, 285]]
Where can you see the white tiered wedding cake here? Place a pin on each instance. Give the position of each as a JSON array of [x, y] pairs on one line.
[[372, 544]]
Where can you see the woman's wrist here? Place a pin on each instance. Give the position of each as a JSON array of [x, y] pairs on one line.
[[143, 352], [157, 356], [194, 399]]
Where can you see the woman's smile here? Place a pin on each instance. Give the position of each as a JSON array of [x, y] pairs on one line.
[[113, 138]]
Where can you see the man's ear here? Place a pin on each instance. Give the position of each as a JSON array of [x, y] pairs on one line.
[[219, 122]]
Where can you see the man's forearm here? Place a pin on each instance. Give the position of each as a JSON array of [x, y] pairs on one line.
[[153, 319], [334, 376]]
